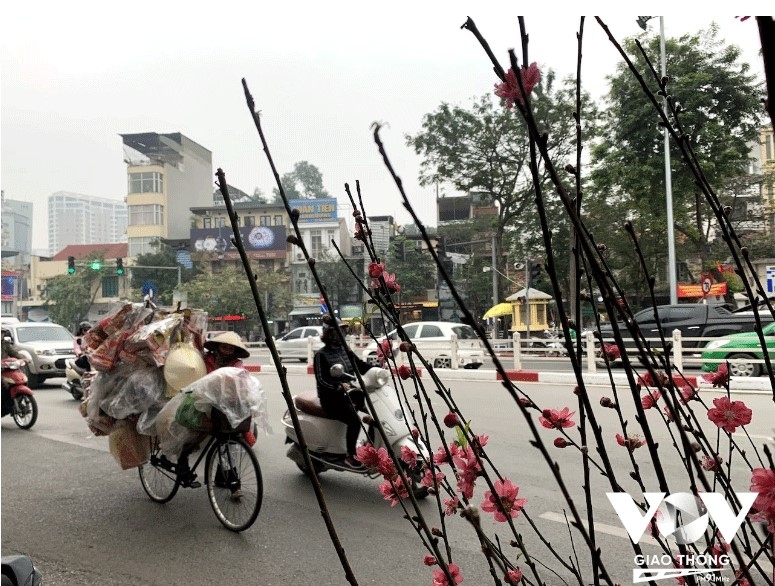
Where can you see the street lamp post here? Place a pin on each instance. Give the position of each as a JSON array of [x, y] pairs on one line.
[[671, 262]]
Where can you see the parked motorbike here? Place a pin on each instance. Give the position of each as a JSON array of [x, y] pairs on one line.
[[17, 398], [553, 343], [74, 375], [325, 437]]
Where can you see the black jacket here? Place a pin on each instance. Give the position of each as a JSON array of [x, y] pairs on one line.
[[325, 358]]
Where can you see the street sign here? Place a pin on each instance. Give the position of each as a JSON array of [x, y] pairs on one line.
[[706, 285], [770, 279]]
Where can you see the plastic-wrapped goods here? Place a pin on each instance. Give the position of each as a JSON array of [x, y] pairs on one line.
[[99, 423], [112, 332], [174, 437], [189, 416], [152, 341], [234, 392], [129, 448], [131, 389], [183, 366]]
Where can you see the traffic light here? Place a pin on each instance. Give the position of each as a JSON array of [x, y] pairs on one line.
[[535, 272], [70, 265], [119, 266], [95, 265]]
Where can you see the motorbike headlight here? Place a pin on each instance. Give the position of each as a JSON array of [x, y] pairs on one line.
[[382, 377], [716, 344]]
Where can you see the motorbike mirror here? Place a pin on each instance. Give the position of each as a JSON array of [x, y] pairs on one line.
[[337, 370], [7, 339]]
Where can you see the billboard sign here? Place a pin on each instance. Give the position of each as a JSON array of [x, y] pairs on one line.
[[315, 210], [257, 239]]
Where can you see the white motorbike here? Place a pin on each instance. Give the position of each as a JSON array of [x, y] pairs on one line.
[[74, 377], [325, 437]]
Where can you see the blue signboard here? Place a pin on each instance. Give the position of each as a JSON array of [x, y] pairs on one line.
[[770, 279], [9, 287], [315, 210]]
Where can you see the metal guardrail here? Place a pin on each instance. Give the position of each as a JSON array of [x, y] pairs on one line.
[[681, 356]]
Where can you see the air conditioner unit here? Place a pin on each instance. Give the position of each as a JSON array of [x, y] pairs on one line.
[[299, 256]]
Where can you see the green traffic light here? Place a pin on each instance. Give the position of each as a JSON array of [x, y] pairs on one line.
[[71, 270], [95, 265], [119, 271]]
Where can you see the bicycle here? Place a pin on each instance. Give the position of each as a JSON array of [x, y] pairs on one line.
[[232, 474]]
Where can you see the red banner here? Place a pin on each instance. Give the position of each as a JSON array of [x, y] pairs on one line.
[[696, 290]]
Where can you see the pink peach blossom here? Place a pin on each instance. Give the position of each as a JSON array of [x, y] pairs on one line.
[[509, 89], [729, 415], [506, 497]]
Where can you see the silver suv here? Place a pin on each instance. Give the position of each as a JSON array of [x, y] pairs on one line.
[[45, 347]]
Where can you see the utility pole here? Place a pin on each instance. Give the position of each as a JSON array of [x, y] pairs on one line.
[[527, 299], [494, 275]]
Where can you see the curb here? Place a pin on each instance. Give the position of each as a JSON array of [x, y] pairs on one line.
[[758, 384]]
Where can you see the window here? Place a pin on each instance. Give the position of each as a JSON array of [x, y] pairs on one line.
[[149, 182], [207, 222], [411, 332], [218, 223], [143, 245], [464, 332], [110, 286], [278, 220], [316, 242], [249, 221], [265, 220], [146, 215], [295, 334], [429, 331]]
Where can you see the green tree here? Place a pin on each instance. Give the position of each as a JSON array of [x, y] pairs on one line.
[[69, 297], [337, 278], [165, 279], [413, 267], [720, 111], [304, 182], [232, 294], [484, 151]]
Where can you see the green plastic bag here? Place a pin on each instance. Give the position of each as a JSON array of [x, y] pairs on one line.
[[188, 415]]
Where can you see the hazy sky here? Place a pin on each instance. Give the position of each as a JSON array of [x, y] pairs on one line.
[[75, 75]]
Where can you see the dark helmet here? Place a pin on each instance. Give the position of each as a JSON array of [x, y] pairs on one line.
[[84, 327], [329, 326]]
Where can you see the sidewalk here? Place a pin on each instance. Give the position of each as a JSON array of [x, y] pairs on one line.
[[760, 384]]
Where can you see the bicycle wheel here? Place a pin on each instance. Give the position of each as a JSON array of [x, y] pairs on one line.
[[159, 481], [234, 483]]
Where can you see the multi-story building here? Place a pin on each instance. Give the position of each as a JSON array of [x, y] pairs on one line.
[[16, 246], [167, 174], [16, 233], [108, 289], [82, 219], [262, 228], [764, 162]]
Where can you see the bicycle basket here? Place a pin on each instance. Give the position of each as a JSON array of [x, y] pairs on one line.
[[221, 423]]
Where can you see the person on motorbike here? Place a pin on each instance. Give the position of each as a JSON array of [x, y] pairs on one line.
[[8, 351], [333, 392], [225, 349], [78, 343]]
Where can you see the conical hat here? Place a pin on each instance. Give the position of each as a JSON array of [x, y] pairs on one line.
[[231, 338], [184, 365]]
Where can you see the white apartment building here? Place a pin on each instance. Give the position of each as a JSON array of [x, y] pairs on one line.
[[74, 218]]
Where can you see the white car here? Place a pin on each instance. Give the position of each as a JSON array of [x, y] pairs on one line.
[[45, 347], [433, 339], [294, 343]]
